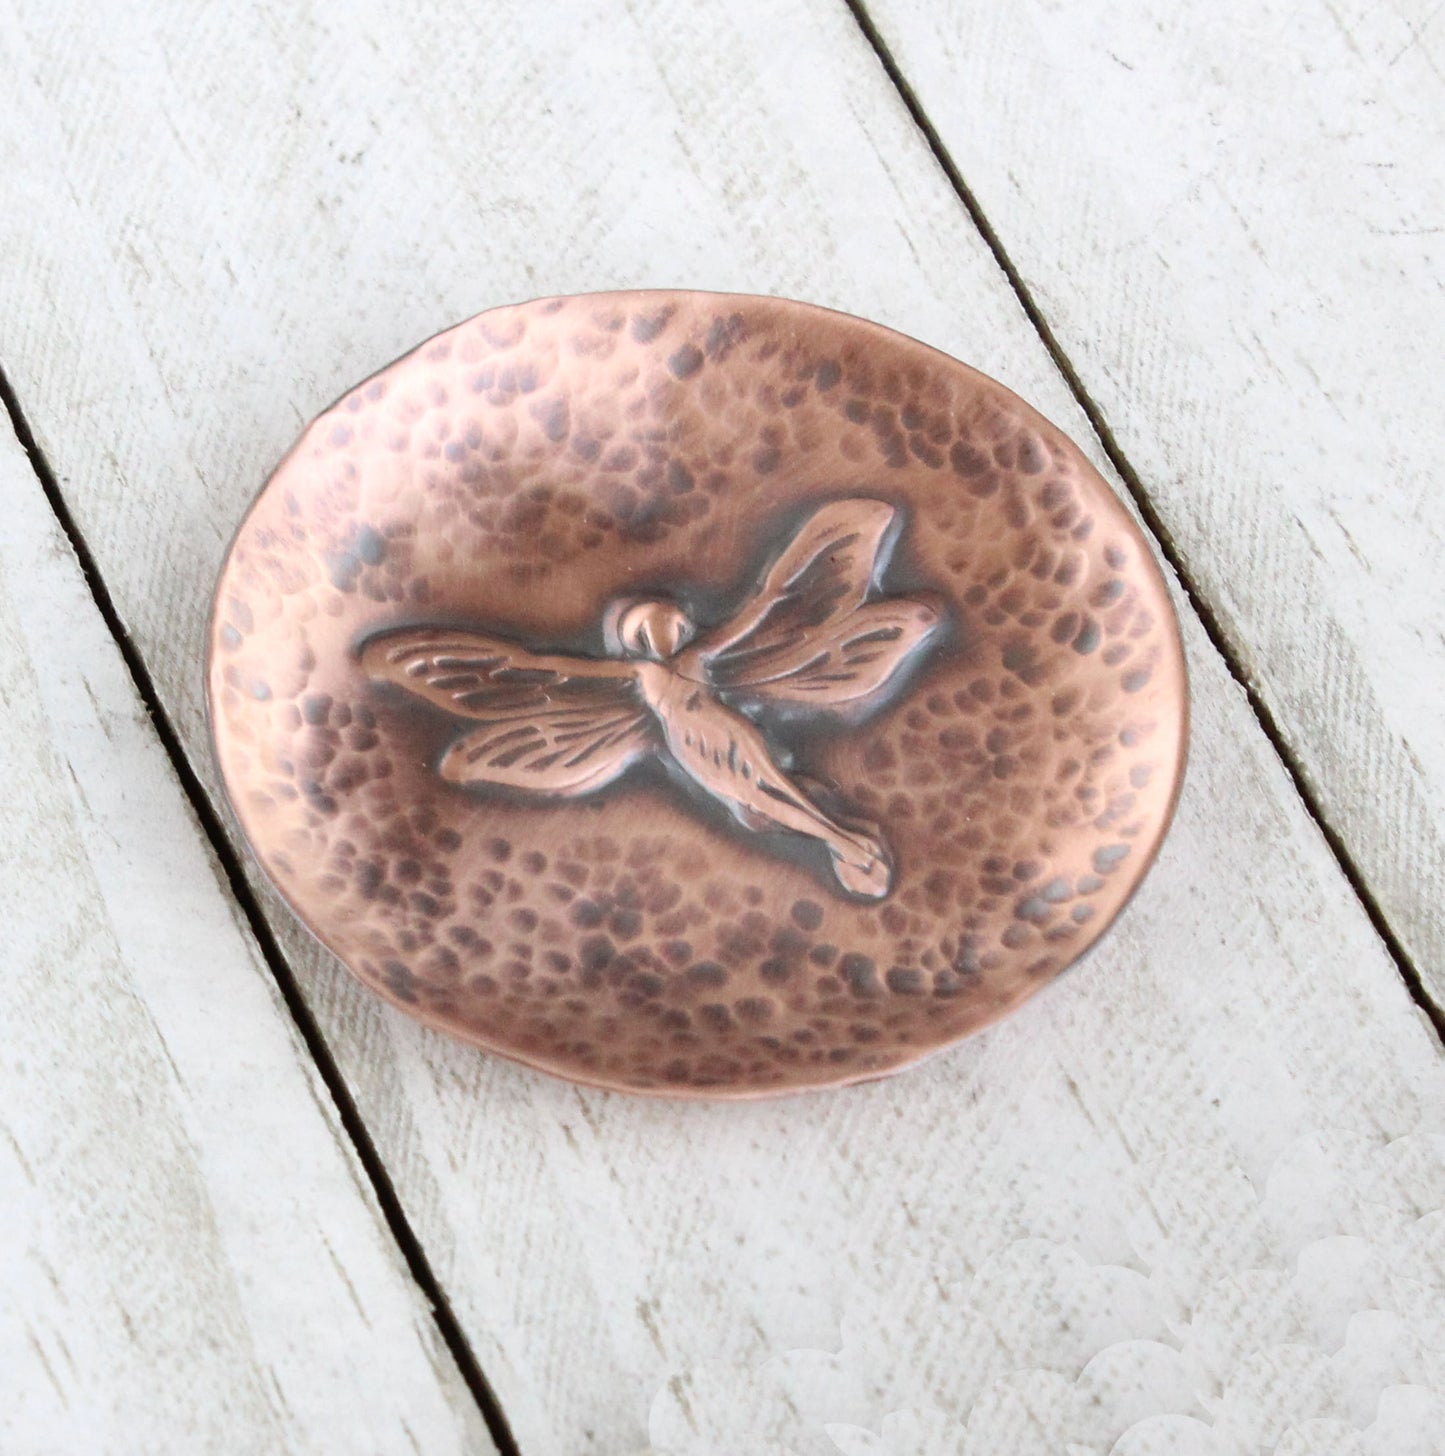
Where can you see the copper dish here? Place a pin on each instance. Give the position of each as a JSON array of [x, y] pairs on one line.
[[695, 694]]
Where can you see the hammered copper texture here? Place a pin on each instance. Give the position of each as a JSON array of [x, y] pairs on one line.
[[527, 468]]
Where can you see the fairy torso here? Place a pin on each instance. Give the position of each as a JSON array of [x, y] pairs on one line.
[[666, 691]]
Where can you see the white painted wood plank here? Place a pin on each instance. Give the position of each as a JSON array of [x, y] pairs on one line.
[[1233, 217], [191, 1261], [1187, 1198]]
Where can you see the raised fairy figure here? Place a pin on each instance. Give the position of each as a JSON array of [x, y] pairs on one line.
[[807, 638]]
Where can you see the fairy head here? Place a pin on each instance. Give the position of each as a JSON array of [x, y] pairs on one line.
[[647, 628]]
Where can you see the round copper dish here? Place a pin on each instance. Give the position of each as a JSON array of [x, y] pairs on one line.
[[695, 694]]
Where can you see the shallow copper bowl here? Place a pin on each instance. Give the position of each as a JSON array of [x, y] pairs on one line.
[[524, 473]]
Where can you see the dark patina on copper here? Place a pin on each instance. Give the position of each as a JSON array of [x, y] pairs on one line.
[[693, 693]]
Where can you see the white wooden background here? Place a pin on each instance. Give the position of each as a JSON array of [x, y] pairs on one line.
[[1190, 1200]]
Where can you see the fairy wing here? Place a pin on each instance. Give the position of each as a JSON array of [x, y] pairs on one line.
[[842, 662], [550, 724], [808, 636]]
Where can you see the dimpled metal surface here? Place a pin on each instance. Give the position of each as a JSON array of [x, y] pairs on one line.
[[523, 470]]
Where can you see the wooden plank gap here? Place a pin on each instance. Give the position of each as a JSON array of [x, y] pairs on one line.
[[448, 1326], [1219, 639]]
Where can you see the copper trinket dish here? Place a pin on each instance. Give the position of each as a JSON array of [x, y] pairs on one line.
[[695, 694]]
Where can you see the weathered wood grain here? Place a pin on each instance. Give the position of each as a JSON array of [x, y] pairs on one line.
[[1232, 217], [1189, 1200], [191, 1260]]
